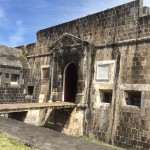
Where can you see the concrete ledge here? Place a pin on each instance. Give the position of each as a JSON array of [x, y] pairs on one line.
[[8, 108]]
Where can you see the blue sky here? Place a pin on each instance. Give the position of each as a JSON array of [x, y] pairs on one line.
[[21, 19]]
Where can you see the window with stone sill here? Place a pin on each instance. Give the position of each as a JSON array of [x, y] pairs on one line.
[[133, 98], [106, 96], [45, 72], [30, 90], [103, 72], [15, 79], [7, 75]]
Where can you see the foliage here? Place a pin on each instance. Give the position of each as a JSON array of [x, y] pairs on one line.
[[24, 54], [8, 144]]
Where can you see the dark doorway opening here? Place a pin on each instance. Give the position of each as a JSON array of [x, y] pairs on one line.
[[20, 116], [70, 85]]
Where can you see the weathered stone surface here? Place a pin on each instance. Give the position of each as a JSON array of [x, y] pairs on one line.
[[13, 62], [45, 139], [119, 38]]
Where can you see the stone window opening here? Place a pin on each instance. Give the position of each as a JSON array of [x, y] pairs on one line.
[[15, 79], [45, 72], [133, 98], [106, 96], [30, 90], [7, 75]]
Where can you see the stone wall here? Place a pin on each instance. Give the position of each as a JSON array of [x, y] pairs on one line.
[[69, 121], [120, 39], [11, 93], [41, 86], [99, 114], [14, 75], [105, 27], [117, 122]]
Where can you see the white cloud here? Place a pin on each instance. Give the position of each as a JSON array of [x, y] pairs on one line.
[[12, 32], [147, 3], [36, 5], [3, 17], [1, 13], [93, 6], [15, 32], [16, 37]]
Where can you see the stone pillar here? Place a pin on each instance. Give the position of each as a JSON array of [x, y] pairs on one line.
[[140, 7]]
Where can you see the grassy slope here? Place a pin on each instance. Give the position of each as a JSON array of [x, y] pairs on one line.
[[101, 143], [8, 144]]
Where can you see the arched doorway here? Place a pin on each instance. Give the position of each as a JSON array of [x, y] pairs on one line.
[[70, 83]]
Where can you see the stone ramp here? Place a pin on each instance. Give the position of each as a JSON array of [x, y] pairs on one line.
[[43, 138]]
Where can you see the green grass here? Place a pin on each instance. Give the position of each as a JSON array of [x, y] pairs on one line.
[[8, 144], [100, 142]]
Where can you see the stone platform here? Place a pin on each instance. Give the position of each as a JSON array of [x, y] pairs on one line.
[[8, 108]]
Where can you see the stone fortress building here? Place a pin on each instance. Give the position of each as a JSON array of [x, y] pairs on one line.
[[101, 62]]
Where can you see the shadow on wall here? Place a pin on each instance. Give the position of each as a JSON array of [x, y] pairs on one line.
[[20, 116], [58, 119]]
